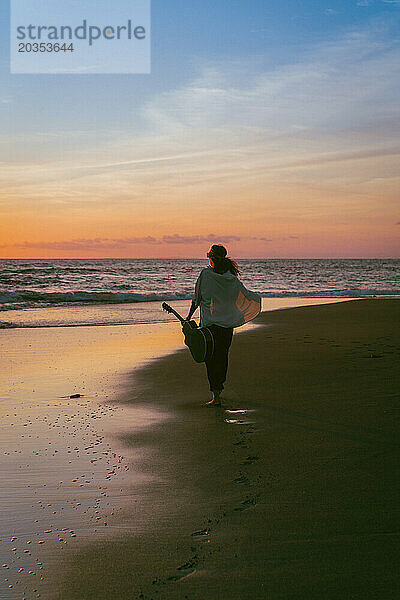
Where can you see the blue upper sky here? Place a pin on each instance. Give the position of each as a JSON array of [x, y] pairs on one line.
[[185, 36]]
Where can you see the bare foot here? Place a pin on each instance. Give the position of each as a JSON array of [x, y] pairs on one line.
[[215, 400]]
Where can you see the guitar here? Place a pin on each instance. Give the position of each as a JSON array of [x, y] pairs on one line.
[[199, 340]]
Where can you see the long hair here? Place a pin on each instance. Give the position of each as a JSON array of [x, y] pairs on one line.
[[222, 262]]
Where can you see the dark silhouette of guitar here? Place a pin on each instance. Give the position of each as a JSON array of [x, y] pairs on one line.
[[199, 340]]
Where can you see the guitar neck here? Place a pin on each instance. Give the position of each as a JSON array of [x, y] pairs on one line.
[[171, 310]]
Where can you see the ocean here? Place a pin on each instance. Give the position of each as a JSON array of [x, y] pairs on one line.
[[64, 292]]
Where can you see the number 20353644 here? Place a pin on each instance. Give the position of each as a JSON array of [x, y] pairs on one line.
[[45, 47]]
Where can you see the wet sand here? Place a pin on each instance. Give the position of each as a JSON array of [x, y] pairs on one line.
[[64, 476], [287, 491]]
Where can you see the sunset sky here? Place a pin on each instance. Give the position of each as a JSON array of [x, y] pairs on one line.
[[269, 125]]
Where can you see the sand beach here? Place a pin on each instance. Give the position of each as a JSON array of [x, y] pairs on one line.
[[286, 491], [226, 155]]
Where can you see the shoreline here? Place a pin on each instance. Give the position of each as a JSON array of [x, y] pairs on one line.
[[141, 313], [284, 499]]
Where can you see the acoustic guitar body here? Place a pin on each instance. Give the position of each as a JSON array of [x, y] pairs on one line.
[[199, 340]]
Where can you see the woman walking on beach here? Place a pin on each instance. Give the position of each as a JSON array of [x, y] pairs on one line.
[[224, 303]]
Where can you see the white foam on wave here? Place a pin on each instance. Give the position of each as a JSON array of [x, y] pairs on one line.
[[33, 299]]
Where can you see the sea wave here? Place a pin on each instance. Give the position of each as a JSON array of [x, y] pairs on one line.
[[31, 299], [35, 299], [6, 325]]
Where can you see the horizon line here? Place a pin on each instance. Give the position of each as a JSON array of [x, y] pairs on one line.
[[200, 258]]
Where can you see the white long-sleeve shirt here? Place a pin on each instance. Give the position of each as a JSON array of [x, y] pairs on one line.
[[224, 300]]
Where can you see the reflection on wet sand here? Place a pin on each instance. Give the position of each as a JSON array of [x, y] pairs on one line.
[[65, 477]]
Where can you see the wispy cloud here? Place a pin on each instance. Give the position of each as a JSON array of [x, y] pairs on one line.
[[108, 243], [302, 140], [198, 239], [85, 244]]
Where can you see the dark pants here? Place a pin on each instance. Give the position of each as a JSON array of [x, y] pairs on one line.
[[217, 364]]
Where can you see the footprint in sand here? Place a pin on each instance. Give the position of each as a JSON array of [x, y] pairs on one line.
[[242, 480], [184, 570], [250, 460], [178, 577], [201, 533], [242, 444], [190, 564], [246, 504]]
